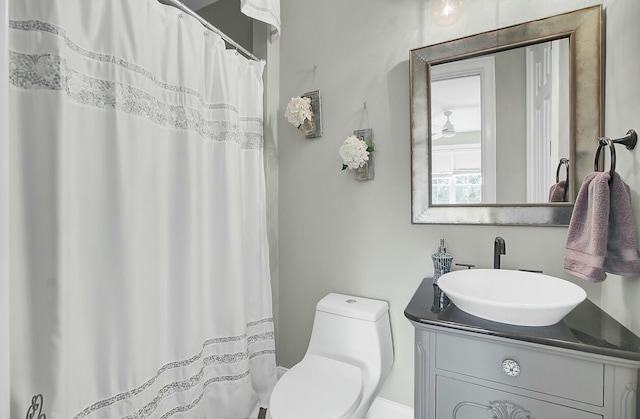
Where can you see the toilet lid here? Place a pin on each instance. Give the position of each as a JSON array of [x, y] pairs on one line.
[[316, 388]]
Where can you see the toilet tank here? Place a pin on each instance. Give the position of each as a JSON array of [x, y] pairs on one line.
[[353, 307], [354, 330]]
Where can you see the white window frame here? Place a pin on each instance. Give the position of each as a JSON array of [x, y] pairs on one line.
[[485, 68]]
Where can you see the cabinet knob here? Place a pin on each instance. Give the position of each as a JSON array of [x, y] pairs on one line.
[[511, 368]]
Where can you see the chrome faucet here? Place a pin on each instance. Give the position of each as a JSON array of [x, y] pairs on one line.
[[499, 248]]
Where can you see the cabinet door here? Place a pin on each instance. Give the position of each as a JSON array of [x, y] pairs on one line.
[[457, 399]]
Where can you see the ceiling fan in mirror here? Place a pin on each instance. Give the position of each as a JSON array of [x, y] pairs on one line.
[[445, 130], [448, 130]]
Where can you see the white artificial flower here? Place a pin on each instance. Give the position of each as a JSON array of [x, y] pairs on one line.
[[298, 109], [354, 152]]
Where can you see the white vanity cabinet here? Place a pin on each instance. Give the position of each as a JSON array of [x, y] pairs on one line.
[[585, 367], [465, 375]]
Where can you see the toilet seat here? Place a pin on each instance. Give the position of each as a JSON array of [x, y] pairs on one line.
[[317, 388]]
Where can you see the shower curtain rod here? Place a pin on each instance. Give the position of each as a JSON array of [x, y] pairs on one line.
[[227, 38]]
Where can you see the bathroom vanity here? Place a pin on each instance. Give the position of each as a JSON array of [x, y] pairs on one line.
[[584, 367]]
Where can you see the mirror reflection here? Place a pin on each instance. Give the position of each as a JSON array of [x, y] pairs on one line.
[[501, 142], [504, 123]]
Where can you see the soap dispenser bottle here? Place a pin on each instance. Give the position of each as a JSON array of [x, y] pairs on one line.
[[441, 262], [441, 265]]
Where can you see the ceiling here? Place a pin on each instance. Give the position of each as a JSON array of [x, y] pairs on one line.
[[460, 95], [197, 4]]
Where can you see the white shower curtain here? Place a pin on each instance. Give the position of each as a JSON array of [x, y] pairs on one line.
[[139, 269]]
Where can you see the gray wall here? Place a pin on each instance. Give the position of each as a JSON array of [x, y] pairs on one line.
[[226, 16], [336, 234]]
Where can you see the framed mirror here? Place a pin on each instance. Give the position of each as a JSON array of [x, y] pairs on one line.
[[504, 120]]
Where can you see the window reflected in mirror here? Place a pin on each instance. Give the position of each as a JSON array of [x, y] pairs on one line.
[[457, 170], [500, 125]]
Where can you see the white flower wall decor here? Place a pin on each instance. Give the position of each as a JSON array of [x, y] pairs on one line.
[[357, 154], [304, 113]]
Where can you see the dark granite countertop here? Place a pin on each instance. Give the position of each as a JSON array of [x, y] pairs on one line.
[[587, 328]]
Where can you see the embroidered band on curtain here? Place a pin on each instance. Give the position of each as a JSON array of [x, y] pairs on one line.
[[176, 386], [47, 71]]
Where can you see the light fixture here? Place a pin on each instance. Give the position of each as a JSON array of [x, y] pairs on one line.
[[446, 12], [448, 129]]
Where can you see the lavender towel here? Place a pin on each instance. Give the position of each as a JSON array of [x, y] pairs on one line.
[[586, 245], [557, 191], [622, 244]]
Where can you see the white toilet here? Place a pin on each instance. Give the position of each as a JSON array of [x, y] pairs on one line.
[[349, 356]]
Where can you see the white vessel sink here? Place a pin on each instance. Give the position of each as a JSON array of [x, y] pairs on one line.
[[512, 297]]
